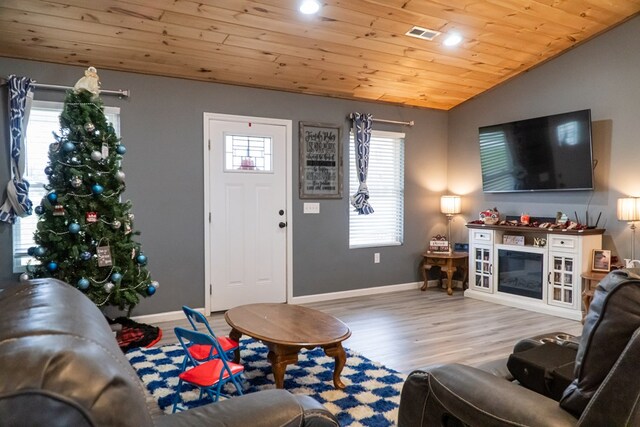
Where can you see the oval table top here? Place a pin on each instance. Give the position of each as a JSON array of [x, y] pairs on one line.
[[287, 324]]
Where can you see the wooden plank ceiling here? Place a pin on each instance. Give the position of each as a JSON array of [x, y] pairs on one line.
[[353, 49]]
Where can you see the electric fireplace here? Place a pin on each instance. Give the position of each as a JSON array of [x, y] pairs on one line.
[[520, 272]]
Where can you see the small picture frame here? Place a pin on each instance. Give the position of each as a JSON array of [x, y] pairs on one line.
[[601, 260]]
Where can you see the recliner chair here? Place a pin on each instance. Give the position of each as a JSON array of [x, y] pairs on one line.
[[605, 390]]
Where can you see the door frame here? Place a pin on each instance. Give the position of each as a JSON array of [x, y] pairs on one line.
[[288, 124]]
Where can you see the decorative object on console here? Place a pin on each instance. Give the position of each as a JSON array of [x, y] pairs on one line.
[[439, 244], [629, 210], [450, 206], [490, 216], [539, 242], [525, 218], [509, 239], [601, 260]]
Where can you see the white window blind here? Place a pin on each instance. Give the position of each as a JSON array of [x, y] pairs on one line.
[[385, 180], [43, 120]]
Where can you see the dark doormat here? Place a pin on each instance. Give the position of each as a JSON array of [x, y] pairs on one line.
[[131, 334]]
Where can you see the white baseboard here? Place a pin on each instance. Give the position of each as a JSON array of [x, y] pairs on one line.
[[355, 293], [171, 316], [168, 316]]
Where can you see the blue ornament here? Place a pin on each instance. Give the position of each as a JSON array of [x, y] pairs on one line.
[[116, 277], [39, 210], [39, 251], [121, 149], [68, 147], [85, 256], [83, 283], [151, 290], [31, 251], [142, 259], [48, 170], [52, 197], [74, 228], [97, 189], [52, 266]]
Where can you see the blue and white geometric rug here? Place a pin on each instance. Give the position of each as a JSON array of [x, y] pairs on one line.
[[371, 397]]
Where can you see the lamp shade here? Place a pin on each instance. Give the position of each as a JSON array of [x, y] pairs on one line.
[[629, 209], [450, 205]]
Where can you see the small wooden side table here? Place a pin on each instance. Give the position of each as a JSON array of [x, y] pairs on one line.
[[590, 280], [447, 261]]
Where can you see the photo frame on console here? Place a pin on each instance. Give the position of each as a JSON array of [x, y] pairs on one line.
[[601, 260]]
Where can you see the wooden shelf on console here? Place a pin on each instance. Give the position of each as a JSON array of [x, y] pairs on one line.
[[527, 229]]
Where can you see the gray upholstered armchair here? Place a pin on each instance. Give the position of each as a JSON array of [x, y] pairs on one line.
[[605, 390]]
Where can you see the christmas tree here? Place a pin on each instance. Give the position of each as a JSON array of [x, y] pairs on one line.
[[85, 233]]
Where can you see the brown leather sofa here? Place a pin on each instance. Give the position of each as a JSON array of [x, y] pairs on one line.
[[605, 390], [60, 365]]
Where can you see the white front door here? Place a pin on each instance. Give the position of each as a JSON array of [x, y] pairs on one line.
[[247, 202]]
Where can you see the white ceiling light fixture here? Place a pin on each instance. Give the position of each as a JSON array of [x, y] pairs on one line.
[[309, 7], [452, 39]]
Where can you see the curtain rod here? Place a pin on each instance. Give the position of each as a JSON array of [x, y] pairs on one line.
[[122, 93], [393, 122]]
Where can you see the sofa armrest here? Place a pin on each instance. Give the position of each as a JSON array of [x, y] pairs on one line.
[[476, 398], [265, 408]]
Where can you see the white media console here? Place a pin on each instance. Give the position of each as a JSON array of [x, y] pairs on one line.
[[543, 278]]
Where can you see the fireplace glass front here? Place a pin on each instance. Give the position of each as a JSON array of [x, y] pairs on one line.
[[520, 273]]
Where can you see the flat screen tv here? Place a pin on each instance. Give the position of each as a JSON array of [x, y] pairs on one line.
[[542, 154]]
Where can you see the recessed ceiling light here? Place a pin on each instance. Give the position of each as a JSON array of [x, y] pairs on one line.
[[452, 39], [309, 7]]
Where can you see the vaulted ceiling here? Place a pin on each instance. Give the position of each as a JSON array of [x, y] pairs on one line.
[[353, 49]]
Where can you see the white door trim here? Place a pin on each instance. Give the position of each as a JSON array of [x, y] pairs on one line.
[[288, 124]]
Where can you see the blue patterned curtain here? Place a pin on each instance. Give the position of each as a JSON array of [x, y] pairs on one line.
[[362, 130], [17, 202]]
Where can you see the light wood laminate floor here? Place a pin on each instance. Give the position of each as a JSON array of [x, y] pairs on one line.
[[412, 329]]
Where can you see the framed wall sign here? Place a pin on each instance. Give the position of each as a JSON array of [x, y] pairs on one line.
[[320, 161]]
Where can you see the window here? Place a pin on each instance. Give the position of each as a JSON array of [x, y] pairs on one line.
[[385, 179], [44, 118]]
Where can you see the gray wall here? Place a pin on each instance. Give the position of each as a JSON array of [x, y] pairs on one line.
[[162, 129], [601, 75]]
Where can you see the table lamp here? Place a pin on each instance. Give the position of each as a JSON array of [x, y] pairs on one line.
[[450, 206], [629, 210]]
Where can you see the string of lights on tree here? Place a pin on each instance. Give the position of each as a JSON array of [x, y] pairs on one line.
[[84, 235]]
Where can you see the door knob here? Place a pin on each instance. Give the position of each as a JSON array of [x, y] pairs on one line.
[[282, 224]]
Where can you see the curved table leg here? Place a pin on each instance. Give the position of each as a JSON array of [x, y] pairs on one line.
[[235, 335], [280, 356], [337, 352]]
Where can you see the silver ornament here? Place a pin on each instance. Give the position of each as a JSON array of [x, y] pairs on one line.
[[74, 161], [89, 127], [131, 217], [155, 284], [76, 182], [120, 176], [24, 277], [96, 156], [116, 224], [108, 287]]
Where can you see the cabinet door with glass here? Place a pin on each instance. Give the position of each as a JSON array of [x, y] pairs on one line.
[[563, 278], [481, 268]]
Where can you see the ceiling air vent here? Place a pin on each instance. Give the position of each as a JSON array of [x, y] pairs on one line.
[[423, 33]]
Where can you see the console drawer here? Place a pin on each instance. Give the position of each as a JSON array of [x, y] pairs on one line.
[[482, 236], [567, 243]]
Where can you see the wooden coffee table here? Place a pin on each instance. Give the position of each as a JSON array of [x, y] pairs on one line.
[[285, 329]]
